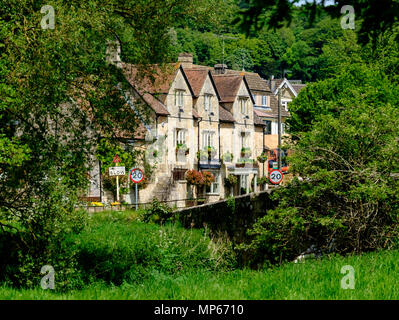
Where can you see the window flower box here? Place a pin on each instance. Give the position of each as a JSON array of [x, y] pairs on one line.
[[227, 157], [246, 152]]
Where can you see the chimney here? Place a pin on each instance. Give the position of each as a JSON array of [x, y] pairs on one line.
[[272, 83], [220, 68], [113, 53], [186, 60]]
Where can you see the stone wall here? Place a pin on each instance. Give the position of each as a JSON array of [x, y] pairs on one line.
[[228, 216]]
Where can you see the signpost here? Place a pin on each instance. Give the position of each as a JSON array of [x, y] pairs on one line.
[[136, 175], [275, 176], [116, 171]]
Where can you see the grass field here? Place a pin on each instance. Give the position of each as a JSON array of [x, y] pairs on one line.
[[376, 277], [114, 237]]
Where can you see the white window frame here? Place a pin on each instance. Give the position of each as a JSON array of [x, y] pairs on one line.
[[179, 98], [207, 139], [244, 139], [274, 127], [212, 191], [208, 103], [180, 136], [243, 105], [285, 104], [264, 101]]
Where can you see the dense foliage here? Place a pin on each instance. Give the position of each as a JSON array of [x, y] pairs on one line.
[[345, 193], [59, 96]]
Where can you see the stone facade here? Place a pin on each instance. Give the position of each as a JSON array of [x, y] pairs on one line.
[[202, 116]]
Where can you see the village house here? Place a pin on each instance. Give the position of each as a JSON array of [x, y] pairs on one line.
[[202, 118]]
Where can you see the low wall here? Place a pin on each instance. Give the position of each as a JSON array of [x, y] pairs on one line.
[[232, 217]]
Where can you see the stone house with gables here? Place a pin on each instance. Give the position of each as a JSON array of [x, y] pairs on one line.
[[201, 118]]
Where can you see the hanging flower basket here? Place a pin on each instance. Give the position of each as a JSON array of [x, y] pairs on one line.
[[262, 158]]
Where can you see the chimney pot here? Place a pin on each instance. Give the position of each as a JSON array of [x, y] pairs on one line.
[[220, 68], [186, 60]]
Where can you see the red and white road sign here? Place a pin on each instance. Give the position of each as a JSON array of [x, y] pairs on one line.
[[136, 175], [116, 159], [275, 176]]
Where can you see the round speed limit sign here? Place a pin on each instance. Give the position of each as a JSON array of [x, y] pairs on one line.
[[136, 175], [275, 176]]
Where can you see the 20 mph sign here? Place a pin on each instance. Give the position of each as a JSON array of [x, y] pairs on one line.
[[136, 175], [275, 176]]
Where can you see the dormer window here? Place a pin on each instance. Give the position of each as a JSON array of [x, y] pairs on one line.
[[208, 103], [179, 98]]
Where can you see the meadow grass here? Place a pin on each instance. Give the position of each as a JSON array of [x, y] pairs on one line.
[[376, 277], [117, 242]]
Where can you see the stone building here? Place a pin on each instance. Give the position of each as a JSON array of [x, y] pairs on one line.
[[202, 118]]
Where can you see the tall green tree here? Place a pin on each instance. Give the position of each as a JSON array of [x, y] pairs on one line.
[[58, 95]]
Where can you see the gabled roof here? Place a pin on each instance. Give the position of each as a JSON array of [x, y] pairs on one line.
[[286, 82], [228, 86], [255, 82], [298, 87], [158, 107], [196, 77], [153, 80]]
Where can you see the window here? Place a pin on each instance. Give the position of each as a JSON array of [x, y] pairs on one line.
[[268, 128], [244, 137], [180, 136], [215, 186], [179, 98], [264, 100], [285, 105], [244, 182], [207, 139], [243, 105], [274, 127], [208, 103]]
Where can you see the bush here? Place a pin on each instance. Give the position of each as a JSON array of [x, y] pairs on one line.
[[158, 212], [117, 252], [347, 199]]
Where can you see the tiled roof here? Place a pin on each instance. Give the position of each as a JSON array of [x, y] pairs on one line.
[[151, 79], [225, 115], [258, 120], [298, 87], [196, 78], [155, 104], [255, 82], [227, 86]]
